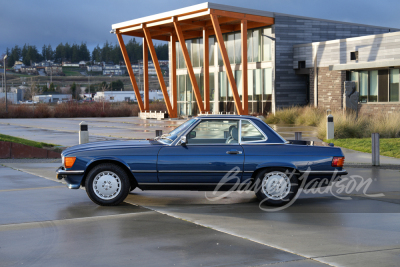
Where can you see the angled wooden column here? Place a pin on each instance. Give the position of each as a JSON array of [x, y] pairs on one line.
[[206, 71], [173, 84], [146, 89], [227, 64], [189, 66], [130, 71], [158, 69], [245, 92]]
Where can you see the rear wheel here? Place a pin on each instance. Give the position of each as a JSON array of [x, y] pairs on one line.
[[276, 187], [107, 184]]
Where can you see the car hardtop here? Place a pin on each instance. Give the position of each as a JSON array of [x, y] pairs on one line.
[[227, 116]]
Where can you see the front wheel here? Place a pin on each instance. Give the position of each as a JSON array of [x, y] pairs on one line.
[[276, 187], [107, 184]]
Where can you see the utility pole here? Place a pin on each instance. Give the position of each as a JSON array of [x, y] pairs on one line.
[[89, 87], [5, 80]]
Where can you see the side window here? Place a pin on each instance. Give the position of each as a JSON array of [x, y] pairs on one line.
[[250, 133], [214, 132]]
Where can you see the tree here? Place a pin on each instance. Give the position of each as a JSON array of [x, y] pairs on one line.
[[117, 85], [52, 88], [73, 90], [45, 89]]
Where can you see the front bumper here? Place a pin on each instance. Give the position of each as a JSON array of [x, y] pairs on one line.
[[72, 178]]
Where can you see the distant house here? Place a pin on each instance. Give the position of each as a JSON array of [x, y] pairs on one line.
[[82, 64], [29, 70], [115, 96], [69, 64], [17, 66], [114, 70], [53, 70], [98, 68]]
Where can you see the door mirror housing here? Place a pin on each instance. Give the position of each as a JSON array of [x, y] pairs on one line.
[[183, 140], [192, 134]]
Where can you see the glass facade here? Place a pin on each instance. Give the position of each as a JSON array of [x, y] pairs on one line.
[[260, 78], [377, 85]]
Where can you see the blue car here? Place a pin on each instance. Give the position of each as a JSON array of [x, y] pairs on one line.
[[206, 153]]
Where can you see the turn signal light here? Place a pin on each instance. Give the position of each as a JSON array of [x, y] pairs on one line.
[[337, 161], [69, 162]]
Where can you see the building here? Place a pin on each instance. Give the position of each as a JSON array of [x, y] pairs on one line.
[[69, 64], [18, 65], [95, 68], [372, 62], [115, 96], [29, 70], [115, 70], [240, 60], [11, 97], [52, 98], [53, 70]]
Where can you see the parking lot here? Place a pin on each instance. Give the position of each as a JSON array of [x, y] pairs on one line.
[[45, 224]]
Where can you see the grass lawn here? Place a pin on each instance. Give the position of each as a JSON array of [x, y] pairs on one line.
[[18, 140], [72, 73], [389, 146]]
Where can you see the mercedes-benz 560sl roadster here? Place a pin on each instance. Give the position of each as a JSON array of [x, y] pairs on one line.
[[206, 153]]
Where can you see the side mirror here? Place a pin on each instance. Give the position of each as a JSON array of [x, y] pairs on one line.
[[192, 134], [183, 140]]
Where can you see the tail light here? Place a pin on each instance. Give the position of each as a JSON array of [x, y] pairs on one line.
[[337, 161], [69, 162]]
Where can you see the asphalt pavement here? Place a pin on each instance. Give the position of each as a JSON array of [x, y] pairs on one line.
[[45, 224]]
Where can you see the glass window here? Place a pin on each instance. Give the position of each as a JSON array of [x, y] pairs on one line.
[[363, 86], [238, 48], [256, 46], [211, 45], [394, 85], [373, 86], [250, 84], [181, 87], [257, 84], [230, 93], [230, 47], [201, 52], [189, 89], [249, 46], [267, 44], [214, 132], [383, 80], [189, 49], [199, 79], [181, 61], [212, 86], [195, 53], [267, 89], [250, 133], [222, 85], [354, 78], [238, 79]]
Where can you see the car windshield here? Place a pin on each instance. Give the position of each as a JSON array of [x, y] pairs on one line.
[[171, 136]]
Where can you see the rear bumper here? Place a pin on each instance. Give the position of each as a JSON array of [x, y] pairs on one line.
[[72, 178]]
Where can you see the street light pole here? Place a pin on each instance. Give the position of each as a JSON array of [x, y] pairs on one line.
[[5, 80]]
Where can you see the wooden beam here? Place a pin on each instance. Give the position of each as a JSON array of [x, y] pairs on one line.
[[130, 71], [251, 25], [245, 94], [242, 16], [206, 71], [146, 88], [189, 65], [227, 64], [158, 69], [173, 84]]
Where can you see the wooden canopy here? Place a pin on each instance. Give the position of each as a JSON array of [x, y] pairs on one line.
[[188, 25]]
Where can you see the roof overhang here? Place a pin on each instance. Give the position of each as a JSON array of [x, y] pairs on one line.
[[194, 20], [366, 65]]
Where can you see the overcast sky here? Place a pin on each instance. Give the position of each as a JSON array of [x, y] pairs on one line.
[[54, 21]]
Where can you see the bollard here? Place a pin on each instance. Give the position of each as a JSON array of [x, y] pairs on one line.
[[375, 149], [297, 136], [330, 128], [83, 133], [158, 133]]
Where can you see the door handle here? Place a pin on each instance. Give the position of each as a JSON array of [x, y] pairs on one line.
[[233, 152]]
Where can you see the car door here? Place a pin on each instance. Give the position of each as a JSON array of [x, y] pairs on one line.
[[211, 152]]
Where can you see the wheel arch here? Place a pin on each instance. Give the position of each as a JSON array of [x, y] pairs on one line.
[[132, 179], [271, 166]]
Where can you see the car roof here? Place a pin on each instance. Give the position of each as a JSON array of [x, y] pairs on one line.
[[226, 116]]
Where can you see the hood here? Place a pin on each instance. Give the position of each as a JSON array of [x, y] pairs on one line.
[[114, 144]]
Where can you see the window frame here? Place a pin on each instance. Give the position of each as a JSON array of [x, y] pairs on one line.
[[258, 128]]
